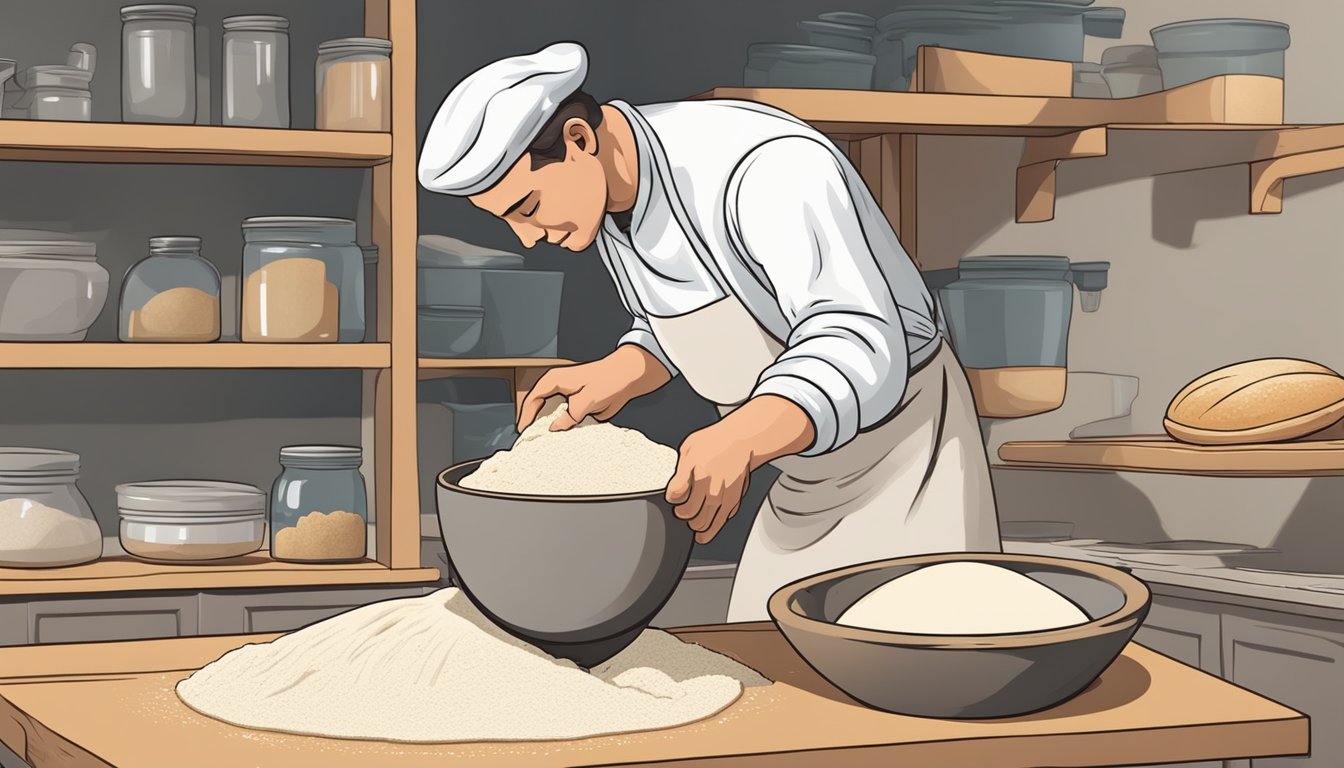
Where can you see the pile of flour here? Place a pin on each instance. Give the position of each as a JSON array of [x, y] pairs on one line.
[[591, 459], [434, 669]]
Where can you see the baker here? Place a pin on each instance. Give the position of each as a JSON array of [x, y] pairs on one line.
[[755, 264]]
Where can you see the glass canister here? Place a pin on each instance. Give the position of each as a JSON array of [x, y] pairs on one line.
[[45, 521], [1009, 320], [256, 71], [158, 64], [303, 280], [319, 506], [173, 295], [354, 78]]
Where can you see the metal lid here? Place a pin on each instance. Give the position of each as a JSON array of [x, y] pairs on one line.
[[808, 53], [441, 251], [352, 44], [175, 243], [322, 456], [73, 250], [295, 222], [37, 461], [256, 23], [154, 12], [199, 497]]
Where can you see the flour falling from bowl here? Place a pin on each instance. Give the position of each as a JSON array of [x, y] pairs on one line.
[[591, 459], [434, 669]]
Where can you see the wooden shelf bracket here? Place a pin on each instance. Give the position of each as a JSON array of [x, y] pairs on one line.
[[1036, 172], [1267, 176]]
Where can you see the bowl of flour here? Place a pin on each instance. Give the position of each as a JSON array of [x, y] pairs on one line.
[[966, 635], [565, 540]]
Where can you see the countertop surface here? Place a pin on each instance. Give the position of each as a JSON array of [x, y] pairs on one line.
[[102, 704]]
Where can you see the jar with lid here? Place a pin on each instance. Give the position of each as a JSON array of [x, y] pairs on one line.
[[303, 280], [256, 71], [173, 295], [354, 78], [190, 520], [50, 290], [158, 64], [45, 521], [319, 506], [59, 91]]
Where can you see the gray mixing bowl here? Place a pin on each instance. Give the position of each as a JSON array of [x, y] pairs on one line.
[[579, 577], [973, 676]]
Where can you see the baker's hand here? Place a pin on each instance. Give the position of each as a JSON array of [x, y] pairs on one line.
[[713, 472], [599, 389]]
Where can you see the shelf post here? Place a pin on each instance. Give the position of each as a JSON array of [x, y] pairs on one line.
[[887, 165], [1036, 172], [1267, 176]]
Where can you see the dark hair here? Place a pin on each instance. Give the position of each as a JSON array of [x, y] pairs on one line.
[[549, 146]]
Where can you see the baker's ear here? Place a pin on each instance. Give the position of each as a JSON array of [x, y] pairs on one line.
[[580, 135]]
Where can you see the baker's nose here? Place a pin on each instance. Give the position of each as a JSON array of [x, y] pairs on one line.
[[528, 235]]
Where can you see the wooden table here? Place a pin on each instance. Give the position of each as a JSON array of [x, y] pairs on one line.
[[105, 704]]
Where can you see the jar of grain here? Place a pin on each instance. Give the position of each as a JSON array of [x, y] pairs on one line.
[[319, 506], [256, 71], [173, 295], [354, 78], [44, 519], [158, 64], [303, 280]]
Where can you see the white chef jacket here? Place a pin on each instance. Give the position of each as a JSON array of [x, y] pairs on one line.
[[736, 197]]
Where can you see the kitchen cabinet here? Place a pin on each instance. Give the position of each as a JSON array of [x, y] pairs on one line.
[[104, 619], [701, 598], [1297, 661], [234, 612], [13, 624]]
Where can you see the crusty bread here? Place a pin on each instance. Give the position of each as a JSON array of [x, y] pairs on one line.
[[1259, 401]]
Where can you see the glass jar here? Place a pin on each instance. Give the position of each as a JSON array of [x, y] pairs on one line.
[[50, 290], [354, 78], [303, 280], [1009, 321], [190, 520], [256, 71], [173, 295], [158, 64], [319, 506], [45, 521]]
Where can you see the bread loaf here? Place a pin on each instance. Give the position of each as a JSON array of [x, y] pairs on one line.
[[1259, 401]]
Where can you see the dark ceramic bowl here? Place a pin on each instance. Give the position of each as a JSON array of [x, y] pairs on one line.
[[578, 577], [971, 676]]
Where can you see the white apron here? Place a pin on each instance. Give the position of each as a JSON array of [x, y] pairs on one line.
[[917, 484]]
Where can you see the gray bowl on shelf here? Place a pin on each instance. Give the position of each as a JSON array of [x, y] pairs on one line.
[[791, 65], [962, 677], [452, 331], [844, 37], [578, 577], [1189, 51]]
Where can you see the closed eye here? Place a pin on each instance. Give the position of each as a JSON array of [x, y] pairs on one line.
[[533, 212]]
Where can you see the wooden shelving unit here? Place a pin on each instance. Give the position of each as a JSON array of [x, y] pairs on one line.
[[1162, 455], [113, 355]]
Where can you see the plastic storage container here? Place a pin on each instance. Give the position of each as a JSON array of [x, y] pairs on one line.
[[50, 290], [1189, 51], [303, 280], [58, 91], [844, 37], [319, 505], [448, 270], [448, 331], [191, 520], [1009, 321], [45, 521], [789, 65], [1088, 82], [158, 64], [354, 79], [522, 312], [1131, 70], [173, 295], [256, 71]]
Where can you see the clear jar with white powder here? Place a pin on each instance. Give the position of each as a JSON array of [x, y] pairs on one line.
[[45, 521]]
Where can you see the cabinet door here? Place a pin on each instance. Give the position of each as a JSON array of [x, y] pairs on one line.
[[112, 618], [13, 624], [231, 613], [1187, 631], [1298, 662], [701, 598]]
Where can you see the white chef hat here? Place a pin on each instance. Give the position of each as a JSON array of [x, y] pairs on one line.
[[488, 121]]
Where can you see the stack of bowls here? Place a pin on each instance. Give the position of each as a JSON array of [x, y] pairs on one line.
[[1131, 70], [838, 54], [1189, 51]]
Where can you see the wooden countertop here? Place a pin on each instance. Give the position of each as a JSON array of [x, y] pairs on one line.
[[103, 704]]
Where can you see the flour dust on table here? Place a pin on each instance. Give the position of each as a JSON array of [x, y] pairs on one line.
[[433, 669]]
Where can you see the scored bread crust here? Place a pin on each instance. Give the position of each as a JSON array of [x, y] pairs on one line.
[[1258, 401]]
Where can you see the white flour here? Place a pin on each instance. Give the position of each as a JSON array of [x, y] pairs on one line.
[[32, 533], [433, 669], [591, 459], [963, 598]]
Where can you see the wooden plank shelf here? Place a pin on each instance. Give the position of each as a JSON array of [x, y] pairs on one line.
[[433, 368], [54, 141], [117, 355], [258, 571], [1162, 455]]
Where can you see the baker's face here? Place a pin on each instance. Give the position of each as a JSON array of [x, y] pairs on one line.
[[562, 202]]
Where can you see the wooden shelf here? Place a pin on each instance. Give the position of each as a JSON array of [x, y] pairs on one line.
[[114, 355], [1162, 455], [53, 141], [505, 367], [122, 574]]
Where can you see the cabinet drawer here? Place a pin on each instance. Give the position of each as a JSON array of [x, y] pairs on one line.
[[1298, 662], [231, 613], [13, 623], [118, 618]]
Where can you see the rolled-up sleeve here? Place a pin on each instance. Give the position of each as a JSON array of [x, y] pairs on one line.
[[846, 364], [641, 335]]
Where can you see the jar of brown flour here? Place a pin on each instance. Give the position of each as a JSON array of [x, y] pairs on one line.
[[354, 78], [172, 296], [303, 280], [319, 505]]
